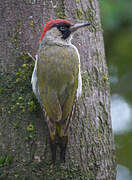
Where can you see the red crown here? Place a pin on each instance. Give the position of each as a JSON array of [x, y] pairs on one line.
[[50, 24]]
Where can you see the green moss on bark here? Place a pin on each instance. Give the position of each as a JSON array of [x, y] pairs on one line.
[[60, 10]]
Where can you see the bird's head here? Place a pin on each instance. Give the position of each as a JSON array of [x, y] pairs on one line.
[[60, 30]]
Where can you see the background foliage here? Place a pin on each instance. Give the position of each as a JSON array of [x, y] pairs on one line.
[[116, 18]]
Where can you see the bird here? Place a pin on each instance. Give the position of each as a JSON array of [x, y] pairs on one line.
[[56, 80]]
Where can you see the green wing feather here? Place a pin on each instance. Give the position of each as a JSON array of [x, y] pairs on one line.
[[57, 72]]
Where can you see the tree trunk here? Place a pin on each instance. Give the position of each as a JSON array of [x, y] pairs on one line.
[[24, 144]]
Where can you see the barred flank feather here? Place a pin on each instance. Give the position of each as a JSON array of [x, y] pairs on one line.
[[64, 125]]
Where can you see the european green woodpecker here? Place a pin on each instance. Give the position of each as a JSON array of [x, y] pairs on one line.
[[56, 80]]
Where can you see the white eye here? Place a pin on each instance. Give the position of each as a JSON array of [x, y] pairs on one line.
[[62, 28]]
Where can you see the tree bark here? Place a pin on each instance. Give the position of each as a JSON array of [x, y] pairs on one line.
[[24, 144]]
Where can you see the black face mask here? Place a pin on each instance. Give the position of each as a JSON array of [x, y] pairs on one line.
[[64, 29]]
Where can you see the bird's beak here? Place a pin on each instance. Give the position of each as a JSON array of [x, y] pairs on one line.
[[79, 25]]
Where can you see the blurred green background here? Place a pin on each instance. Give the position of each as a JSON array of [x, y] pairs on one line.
[[116, 16]]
